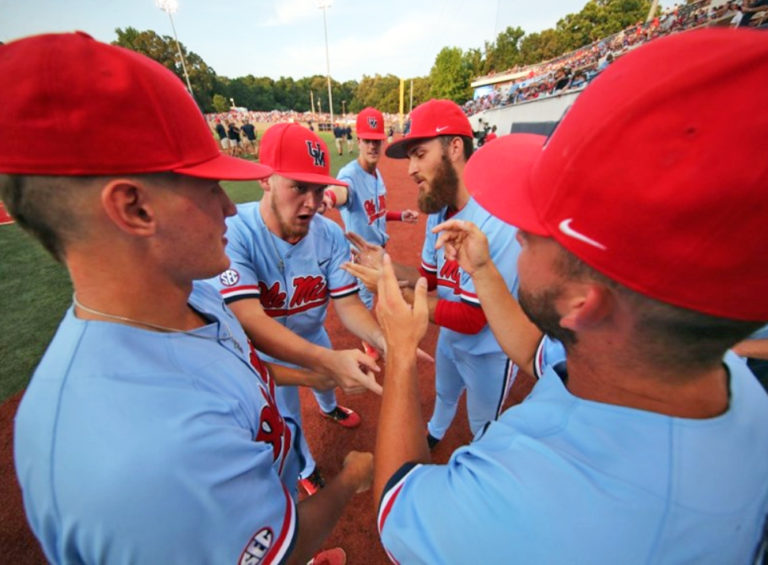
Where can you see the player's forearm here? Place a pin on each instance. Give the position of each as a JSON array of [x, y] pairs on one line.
[[755, 348], [406, 273], [290, 376], [401, 437], [274, 339], [358, 319], [516, 334], [318, 515], [340, 195]]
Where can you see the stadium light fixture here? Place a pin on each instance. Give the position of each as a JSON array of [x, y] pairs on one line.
[[324, 5], [170, 7]]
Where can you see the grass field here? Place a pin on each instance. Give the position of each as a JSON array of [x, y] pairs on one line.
[[35, 291]]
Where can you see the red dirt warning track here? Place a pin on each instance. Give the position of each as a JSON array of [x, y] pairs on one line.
[[356, 530]]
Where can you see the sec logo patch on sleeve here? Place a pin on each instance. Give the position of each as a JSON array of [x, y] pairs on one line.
[[257, 548], [230, 277]]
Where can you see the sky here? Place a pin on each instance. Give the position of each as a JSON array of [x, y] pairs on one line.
[[286, 37]]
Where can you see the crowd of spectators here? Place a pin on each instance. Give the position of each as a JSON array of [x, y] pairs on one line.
[[574, 70]]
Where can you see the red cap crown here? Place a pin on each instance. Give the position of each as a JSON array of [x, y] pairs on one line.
[[657, 175], [370, 124], [432, 119], [76, 106], [294, 152]]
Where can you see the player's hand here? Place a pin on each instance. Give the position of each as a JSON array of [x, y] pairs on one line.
[[353, 371], [369, 276], [365, 253], [463, 242], [410, 216], [358, 469], [403, 325], [326, 204]]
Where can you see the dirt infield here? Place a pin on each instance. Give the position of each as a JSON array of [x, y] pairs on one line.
[[356, 531]]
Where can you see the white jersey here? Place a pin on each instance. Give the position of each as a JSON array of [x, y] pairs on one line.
[[365, 211]]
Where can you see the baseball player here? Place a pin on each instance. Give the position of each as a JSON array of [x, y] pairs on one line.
[[363, 202], [644, 440], [285, 266], [437, 147], [149, 432]]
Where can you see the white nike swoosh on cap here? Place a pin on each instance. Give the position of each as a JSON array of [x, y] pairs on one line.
[[565, 227], [438, 130]]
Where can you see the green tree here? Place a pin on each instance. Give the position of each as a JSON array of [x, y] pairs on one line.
[[504, 52], [163, 50], [450, 76], [541, 46], [220, 104]]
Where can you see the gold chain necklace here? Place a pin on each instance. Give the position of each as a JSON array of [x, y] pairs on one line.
[[158, 327]]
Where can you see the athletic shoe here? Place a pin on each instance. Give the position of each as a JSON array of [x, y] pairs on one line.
[[343, 416], [312, 483], [432, 441], [370, 351], [335, 556]]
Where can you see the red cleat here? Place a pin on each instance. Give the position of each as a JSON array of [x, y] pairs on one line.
[[343, 416], [313, 483]]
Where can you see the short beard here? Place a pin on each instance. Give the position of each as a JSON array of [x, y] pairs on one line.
[[286, 232], [540, 309], [444, 188]]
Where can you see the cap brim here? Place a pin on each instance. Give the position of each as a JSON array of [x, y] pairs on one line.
[[372, 136], [224, 167], [399, 149], [311, 178], [498, 178]]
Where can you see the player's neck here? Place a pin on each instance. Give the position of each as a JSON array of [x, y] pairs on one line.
[[143, 295], [700, 393], [368, 167]]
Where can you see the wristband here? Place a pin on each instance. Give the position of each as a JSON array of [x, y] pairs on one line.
[[332, 195]]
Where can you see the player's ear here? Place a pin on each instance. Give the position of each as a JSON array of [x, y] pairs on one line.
[[264, 184], [127, 204], [586, 305]]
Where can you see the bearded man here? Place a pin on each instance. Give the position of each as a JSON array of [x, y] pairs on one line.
[[437, 147]]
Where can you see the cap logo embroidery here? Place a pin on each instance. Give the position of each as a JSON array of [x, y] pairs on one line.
[[565, 227], [438, 130], [372, 122], [316, 152]]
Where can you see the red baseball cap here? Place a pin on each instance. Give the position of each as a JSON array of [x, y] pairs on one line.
[[74, 106], [432, 119], [370, 124], [294, 152], [656, 176]]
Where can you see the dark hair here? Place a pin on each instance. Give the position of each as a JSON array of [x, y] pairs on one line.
[[469, 146], [671, 335]]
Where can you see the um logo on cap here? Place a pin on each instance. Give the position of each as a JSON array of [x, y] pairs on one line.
[[317, 153], [372, 122]]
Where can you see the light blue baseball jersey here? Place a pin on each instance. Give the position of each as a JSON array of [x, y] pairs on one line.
[[292, 281], [365, 211], [136, 446], [455, 285], [558, 479]]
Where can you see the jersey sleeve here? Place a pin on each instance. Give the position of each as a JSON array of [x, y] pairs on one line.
[[427, 513], [240, 280], [428, 251], [346, 177], [549, 353], [340, 282]]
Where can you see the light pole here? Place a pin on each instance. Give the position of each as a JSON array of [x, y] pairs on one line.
[[324, 5], [344, 107], [170, 7]]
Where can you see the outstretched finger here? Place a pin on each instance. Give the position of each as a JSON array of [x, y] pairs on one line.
[[357, 240], [420, 308], [459, 225], [388, 283], [424, 356]]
